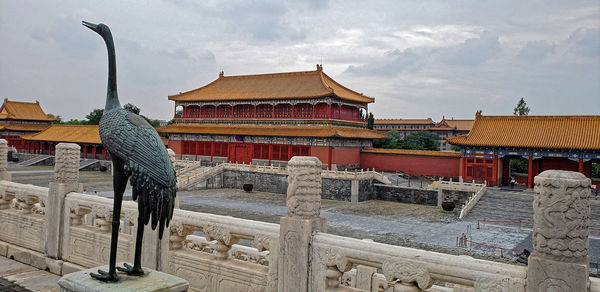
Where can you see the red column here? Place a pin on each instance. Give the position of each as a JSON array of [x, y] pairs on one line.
[[270, 153], [94, 151], [313, 111], [84, 151], [580, 168], [495, 171], [273, 112], [530, 173], [330, 154], [212, 150], [461, 168], [329, 111]]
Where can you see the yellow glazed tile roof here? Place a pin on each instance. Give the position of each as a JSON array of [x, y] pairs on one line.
[[411, 152], [427, 121], [23, 127], [18, 110], [546, 132], [458, 125], [307, 84], [87, 134], [281, 131]]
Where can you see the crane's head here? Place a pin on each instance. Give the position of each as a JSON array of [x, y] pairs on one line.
[[101, 28]]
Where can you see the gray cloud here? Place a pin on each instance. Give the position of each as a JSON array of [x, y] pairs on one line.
[[473, 51], [585, 42], [536, 50], [392, 63]]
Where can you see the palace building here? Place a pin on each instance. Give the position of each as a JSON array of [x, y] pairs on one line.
[[268, 118], [21, 118], [545, 142], [443, 129]]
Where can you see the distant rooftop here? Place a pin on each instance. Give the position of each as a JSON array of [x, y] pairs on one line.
[[19, 110]]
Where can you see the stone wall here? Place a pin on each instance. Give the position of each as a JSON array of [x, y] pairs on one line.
[[458, 197], [405, 194], [332, 189], [263, 182]]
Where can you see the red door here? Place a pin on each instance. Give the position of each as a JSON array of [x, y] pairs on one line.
[[242, 154]]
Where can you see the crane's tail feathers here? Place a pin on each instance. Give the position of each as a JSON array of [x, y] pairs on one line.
[[155, 201]]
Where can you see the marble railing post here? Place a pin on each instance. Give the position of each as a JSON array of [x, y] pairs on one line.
[[4, 174], [296, 229], [66, 180], [561, 219]]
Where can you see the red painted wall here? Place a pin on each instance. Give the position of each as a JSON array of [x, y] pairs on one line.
[[320, 152], [345, 155], [419, 165], [175, 145]]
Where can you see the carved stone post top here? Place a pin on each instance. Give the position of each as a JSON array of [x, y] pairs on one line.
[[304, 187], [305, 161], [559, 177], [66, 162], [3, 142], [561, 215]]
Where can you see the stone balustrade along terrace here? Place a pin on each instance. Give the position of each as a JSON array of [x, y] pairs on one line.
[[62, 230]]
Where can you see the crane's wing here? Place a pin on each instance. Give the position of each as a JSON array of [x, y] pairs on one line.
[[132, 139]]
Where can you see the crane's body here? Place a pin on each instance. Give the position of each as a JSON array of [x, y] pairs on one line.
[[138, 154]]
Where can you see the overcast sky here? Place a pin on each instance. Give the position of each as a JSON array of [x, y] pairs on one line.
[[418, 59]]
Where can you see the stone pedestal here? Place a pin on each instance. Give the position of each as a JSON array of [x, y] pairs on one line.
[[152, 281], [561, 214], [4, 174], [296, 229], [66, 180]]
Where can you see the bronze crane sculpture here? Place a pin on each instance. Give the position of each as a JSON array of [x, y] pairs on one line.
[[138, 154]]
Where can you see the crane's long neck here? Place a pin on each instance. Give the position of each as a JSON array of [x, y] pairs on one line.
[[112, 97]]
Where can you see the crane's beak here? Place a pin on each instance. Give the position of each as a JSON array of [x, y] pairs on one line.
[[90, 25]]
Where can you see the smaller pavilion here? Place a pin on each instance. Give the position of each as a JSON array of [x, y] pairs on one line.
[[545, 142], [21, 118], [86, 136]]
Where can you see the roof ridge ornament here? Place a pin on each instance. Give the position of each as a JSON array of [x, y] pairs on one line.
[[319, 67], [221, 75]]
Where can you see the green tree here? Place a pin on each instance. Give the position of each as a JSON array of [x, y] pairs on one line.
[[595, 170], [132, 108], [371, 121], [421, 141], [75, 122], [521, 109], [94, 117], [392, 141]]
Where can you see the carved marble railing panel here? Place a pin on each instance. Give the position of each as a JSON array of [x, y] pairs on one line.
[[407, 267], [22, 209], [215, 262], [88, 245]]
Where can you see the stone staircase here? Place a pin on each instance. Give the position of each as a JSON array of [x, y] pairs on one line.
[[34, 160], [503, 206], [86, 162]]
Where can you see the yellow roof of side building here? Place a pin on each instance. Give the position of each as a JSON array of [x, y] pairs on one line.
[[545, 132], [18, 110], [86, 134], [298, 85]]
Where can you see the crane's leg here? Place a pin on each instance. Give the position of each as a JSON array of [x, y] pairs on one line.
[[136, 270], [119, 184]]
